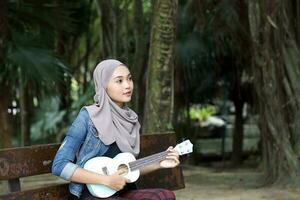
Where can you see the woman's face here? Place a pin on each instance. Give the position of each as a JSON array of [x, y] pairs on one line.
[[120, 86]]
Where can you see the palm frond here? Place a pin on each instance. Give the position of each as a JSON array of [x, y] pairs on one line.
[[46, 14], [36, 63]]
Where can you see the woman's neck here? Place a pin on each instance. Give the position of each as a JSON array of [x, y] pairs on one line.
[[120, 104]]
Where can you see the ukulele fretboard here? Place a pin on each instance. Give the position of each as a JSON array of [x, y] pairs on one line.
[[140, 163]]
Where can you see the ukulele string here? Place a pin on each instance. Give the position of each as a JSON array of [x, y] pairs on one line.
[[149, 157], [147, 160]]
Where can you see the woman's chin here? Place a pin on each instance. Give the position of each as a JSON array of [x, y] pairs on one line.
[[127, 100], [123, 101]]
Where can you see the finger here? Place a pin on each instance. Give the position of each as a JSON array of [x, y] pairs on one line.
[[117, 187], [115, 173], [120, 172], [170, 148], [177, 160], [120, 188], [176, 151], [173, 154], [173, 158]]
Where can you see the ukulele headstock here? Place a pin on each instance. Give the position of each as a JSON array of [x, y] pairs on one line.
[[184, 147]]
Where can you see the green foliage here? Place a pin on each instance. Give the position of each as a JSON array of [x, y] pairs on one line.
[[169, 126], [51, 123], [30, 54], [31, 58], [84, 99], [34, 16], [47, 120], [37, 63], [202, 113], [206, 48]]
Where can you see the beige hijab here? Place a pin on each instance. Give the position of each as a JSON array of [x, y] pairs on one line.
[[114, 124]]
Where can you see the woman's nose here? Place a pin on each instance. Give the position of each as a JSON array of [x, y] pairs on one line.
[[126, 84]]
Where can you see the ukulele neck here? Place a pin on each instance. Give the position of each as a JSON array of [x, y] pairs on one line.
[[143, 162]]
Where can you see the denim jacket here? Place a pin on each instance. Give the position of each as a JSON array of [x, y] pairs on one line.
[[80, 144]]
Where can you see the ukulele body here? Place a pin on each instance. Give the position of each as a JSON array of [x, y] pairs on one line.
[[126, 165], [108, 166]]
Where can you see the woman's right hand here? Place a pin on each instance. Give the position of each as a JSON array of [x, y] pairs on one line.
[[116, 181]]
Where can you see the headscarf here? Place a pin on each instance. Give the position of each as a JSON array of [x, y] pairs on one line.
[[113, 123]]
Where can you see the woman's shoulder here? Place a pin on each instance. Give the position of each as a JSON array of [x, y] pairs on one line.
[[83, 115], [83, 111]]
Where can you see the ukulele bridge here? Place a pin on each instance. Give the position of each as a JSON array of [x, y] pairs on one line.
[[105, 171]]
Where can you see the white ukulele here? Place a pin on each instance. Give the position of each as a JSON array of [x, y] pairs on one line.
[[127, 166]]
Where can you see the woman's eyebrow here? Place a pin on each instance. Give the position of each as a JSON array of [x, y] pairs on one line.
[[122, 76]]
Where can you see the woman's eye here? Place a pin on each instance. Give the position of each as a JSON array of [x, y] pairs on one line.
[[130, 78], [119, 81]]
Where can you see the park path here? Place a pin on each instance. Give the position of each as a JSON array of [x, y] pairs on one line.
[[229, 184]]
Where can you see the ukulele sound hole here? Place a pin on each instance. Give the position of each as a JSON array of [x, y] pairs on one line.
[[123, 169]]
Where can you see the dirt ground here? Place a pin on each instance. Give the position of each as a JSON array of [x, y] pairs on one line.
[[203, 183]]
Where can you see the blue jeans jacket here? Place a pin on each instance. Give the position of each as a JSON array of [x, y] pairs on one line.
[[80, 144]]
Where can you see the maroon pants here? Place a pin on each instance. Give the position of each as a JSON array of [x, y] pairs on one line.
[[140, 194]]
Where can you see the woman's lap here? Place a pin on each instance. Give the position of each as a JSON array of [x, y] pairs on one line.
[[151, 194], [141, 194]]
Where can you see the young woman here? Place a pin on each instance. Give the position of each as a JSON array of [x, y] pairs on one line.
[[107, 128]]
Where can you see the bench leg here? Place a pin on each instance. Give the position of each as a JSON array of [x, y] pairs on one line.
[[14, 185]]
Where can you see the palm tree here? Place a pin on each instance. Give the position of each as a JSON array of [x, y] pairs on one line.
[[30, 67], [160, 76]]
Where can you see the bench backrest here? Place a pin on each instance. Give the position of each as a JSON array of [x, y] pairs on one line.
[[21, 162]]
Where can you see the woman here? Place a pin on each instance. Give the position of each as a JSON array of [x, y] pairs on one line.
[[106, 128]]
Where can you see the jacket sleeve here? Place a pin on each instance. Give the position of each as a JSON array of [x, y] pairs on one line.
[[63, 163]]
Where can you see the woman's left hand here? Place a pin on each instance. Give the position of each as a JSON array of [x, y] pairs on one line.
[[172, 159]]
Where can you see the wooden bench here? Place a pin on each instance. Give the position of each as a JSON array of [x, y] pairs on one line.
[[16, 163]]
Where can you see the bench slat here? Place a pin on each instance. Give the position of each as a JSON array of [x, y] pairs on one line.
[[57, 192], [26, 161], [14, 185]]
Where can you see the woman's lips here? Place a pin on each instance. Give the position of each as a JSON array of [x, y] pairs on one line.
[[127, 93]]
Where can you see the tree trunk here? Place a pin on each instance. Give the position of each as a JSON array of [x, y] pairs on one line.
[[88, 36], [160, 76], [25, 113], [276, 80], [5, 118], [5, 90], [105, 9], [292, 60], [241, 66], [238, 135], [63, 40], [140, 57]]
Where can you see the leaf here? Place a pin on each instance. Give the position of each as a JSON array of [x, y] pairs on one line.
[[37, 63], [48, 119]]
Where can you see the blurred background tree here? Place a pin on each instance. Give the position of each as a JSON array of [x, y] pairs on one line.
[[275, 68]]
